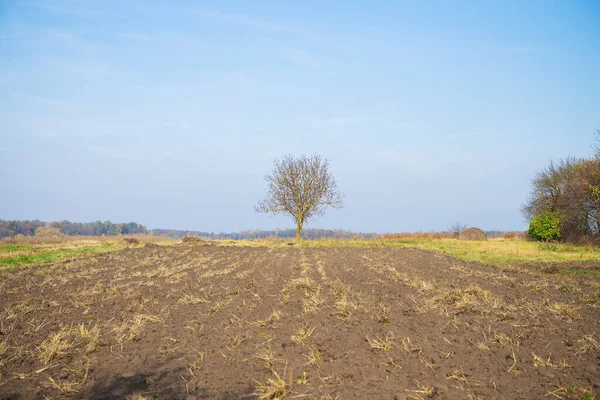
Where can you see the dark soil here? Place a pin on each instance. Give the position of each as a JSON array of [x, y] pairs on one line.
[[219, 322]]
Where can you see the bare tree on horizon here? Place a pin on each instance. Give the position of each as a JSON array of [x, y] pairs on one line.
[[457, 228], [300, 187]]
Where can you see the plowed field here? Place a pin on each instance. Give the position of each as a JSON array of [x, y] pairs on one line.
[[227, 322]]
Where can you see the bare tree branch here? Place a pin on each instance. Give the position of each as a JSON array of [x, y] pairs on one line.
[[457, 228]]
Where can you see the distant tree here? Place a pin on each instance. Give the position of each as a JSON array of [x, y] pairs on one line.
[[300, 187], [457, 228], [48, 232]]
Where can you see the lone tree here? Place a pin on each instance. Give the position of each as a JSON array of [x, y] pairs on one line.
[[457, 228], [300, 187]]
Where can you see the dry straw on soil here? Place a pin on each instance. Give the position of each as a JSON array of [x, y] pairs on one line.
[[260, 320], [194, 240]]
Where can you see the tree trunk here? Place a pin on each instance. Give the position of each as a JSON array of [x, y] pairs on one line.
[[298, 231]]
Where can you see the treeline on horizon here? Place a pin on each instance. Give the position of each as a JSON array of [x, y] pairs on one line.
[[98, 228], [261, 234], [107, 228]]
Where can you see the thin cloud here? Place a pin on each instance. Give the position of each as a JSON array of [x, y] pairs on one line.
[[342, 121], [519, 50], [302, 58], [167, 38], [79, 9], [135, 36], [470, 134], [87, 71], [240, 19], [43, 100], [74, 40]]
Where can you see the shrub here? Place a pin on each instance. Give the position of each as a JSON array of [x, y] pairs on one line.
[[48, 232], [545, 226]]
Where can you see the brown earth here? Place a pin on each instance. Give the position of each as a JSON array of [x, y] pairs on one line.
[[223, 322]]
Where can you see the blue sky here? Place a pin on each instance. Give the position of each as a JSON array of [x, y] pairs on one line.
[[170, 115]]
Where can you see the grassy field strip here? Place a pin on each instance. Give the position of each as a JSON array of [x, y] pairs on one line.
[[509, 250], [12, 256], [492, 250]]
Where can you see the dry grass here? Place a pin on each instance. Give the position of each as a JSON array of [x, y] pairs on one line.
[[422, 393], [274, 317], [304, 284], [587, 344], [132, 328], [3, 350], [70, 381], [56, 345], [198, 359], [417, 236], [384, 344], [458, 375], [564, 311], [302, 334], [315, 358], [541, 362], [409, 347], [92, 335], [275, 388], [138, 396], [471, 298], [63, 241], [498, 250], [236, 342], [188, 298], [382, 315], [343, 308], [571, 392], [267, 356]]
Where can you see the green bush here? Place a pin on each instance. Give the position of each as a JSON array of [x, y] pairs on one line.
[[545, 226]]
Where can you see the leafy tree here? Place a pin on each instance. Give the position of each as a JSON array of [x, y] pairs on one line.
[[300, 187], [570, 187], [545, 226]]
